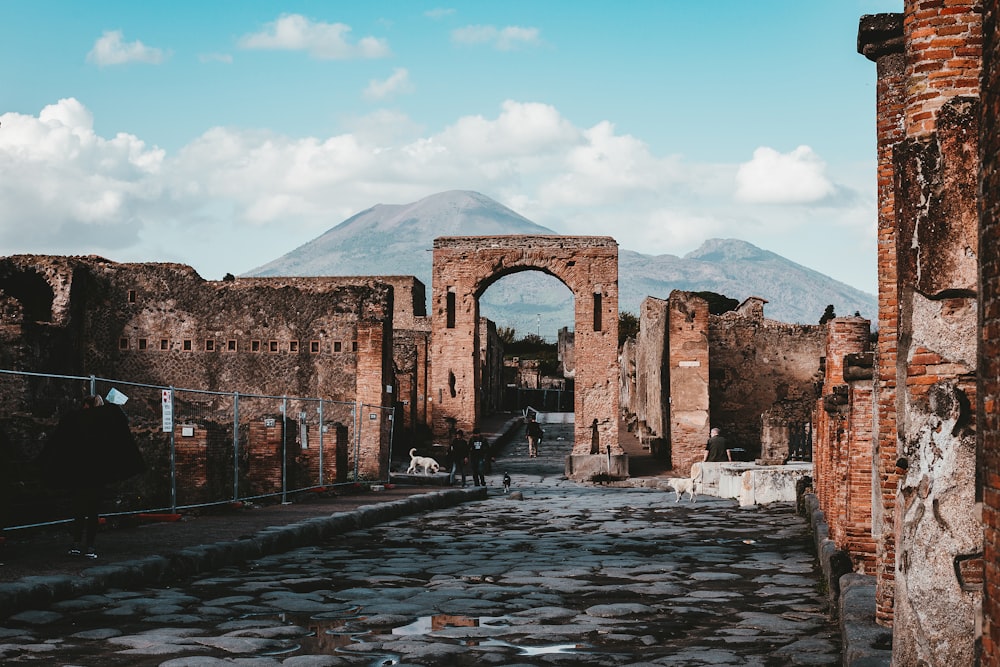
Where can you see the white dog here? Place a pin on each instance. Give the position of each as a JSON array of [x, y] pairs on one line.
[[688, 485], [682, 485], [428, 464]]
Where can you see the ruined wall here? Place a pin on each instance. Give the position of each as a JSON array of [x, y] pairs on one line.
[[161, 324], [939, 534], [760, 366], [842, 450], [880, 39], [989, 331]]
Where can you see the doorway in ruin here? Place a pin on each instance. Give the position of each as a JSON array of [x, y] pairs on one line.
[[464, 267]]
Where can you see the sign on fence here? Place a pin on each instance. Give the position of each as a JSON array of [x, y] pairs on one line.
[[168, 410]]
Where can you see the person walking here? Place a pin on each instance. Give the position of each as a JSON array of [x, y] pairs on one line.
[[458, 456], [534, 433], [479, 454], [90, 448]]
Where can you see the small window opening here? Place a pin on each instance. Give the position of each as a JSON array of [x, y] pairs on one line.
[[123, 343], [187, 347], [272, 346], [293, 346], [354, 346], [164, 344], [143, 343], [314, 347], [255, 346], [131, 296], [337, 346], [597, 311], [210, 346], [232, 346], [451, 310]]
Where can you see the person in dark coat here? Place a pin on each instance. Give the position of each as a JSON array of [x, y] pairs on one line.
[[479, 455], [534, 433], [458, 456], [90, 448]]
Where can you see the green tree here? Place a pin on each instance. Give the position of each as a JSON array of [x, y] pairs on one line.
[[828, 315], [628, 326], [506, 334], [718, 303]]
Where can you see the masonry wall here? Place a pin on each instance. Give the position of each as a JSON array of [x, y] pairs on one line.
[[988, 393], [842, 450], [758, 365], [161, 324]]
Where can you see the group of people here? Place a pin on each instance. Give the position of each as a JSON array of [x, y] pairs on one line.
[[469, 456]]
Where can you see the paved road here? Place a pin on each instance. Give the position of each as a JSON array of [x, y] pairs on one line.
[[566, 575]]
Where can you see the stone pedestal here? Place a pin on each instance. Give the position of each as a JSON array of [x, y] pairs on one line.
[[596, 467]]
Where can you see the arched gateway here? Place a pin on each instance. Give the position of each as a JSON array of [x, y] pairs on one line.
[[465, 266]]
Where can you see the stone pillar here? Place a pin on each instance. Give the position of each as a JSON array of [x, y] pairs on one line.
[[880, 39], [938, 527], [988, 394], [842, 450], [687, 371]]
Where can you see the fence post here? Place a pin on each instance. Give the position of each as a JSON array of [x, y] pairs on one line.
[[236, 446], [284, 450], [357, 441], [392, 432], [173, 455], [320, 410]]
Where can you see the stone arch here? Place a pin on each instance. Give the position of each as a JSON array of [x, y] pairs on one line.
[[465, 266]]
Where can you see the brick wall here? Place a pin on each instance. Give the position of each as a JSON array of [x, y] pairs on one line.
[[989, 332]]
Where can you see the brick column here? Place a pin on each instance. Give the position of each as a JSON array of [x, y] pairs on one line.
[[989, 332], [938, 528], [880, 39]]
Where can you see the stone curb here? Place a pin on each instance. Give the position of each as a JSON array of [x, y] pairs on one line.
[[851, 595], [41, 591]]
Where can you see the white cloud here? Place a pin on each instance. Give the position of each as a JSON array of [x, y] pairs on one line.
[[771, 177], [398, 83], [215, 58], [503, 39], [439, 13], [109, 49], [249, 196], [326, 41]]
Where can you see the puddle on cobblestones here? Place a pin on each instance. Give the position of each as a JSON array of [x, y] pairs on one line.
[[427, 624]]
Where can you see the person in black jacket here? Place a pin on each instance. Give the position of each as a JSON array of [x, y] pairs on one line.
[[534, 433], [479, 454], [90, 448], [458, 456]]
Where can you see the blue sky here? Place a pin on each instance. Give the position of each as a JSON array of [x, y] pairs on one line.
[[225, 134]]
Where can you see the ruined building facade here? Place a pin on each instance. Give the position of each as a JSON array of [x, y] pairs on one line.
[[688, 371], [353, 342]]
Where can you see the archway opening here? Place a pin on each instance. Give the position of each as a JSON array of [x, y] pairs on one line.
[[534, 316]]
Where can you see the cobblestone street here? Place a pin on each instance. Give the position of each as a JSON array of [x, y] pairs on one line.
[[556, 573]]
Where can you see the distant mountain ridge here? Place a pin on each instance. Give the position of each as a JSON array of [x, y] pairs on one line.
[[399, 239]]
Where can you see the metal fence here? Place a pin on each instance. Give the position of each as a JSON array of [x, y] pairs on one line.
[[201, 448]]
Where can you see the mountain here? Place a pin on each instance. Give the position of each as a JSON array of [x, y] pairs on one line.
[[398, 240]]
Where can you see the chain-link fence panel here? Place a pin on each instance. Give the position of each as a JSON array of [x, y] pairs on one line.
[[199, 447]]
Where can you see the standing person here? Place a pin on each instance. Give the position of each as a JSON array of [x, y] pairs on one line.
[[90, 448], [479, 454], [534, 433], [458, 454], [716, 449]]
